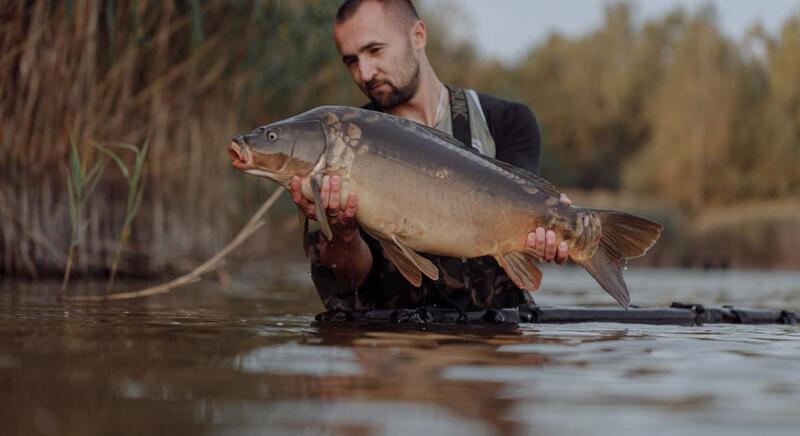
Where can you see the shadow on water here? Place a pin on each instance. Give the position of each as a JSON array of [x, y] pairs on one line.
[[247, 358]]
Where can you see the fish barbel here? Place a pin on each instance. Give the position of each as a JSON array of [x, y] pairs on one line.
[[420, 190]]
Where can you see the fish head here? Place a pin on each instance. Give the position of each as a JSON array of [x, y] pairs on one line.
[[280, 150]]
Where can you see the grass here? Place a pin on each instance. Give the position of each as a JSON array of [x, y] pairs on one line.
[[82, 181], [135, 178]]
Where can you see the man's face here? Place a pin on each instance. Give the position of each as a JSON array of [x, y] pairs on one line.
[[379, 55]]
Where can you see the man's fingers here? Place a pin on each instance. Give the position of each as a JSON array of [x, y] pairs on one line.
[[352, 205], [325, 191], [530, 241], [296, 190], [333, 201], [297, 194], [550, 246], [540, 241], [563, 252], [565, 200]]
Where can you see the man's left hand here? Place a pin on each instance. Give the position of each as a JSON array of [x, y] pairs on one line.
[[543, 241]]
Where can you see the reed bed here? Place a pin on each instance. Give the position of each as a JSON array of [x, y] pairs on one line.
[[182, 77]]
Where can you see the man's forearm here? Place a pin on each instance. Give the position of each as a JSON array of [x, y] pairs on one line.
[[350, 259]]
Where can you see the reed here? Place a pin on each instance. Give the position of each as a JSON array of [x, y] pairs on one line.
[[135, 178], [82, 181]]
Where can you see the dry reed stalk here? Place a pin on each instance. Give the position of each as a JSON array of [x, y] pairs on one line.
[[184, 77], [255, 222]]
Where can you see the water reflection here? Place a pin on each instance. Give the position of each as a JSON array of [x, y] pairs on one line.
[[242, 359]]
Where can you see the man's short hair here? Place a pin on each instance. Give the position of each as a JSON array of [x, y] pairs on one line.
[[403, 11]]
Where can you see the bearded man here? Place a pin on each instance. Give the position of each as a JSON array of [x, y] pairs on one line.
[[382, 43]]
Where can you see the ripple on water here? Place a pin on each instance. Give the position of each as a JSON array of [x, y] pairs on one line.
[[301, 359], [341, 417]]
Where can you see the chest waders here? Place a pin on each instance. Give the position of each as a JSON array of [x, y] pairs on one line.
[[468, 125]]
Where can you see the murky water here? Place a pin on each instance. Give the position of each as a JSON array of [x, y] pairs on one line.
[[247, 358]]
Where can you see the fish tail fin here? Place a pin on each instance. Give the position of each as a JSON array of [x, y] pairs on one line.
[[624, 236]]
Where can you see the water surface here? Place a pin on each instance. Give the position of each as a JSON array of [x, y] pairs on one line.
[[244, 356]]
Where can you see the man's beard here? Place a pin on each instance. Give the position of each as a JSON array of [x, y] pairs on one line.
[[397, 95]]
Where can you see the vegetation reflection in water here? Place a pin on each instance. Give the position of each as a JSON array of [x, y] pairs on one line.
[[246, 358]]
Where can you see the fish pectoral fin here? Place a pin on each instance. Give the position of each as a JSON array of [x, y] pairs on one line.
[[407, 268], [426, 266], [410, 264], [322, 218], [520, 267], [304, 231]]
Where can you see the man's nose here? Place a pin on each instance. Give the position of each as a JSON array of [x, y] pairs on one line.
[[367, 70]]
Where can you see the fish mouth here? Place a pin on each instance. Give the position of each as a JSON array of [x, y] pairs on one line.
[[241, 158]]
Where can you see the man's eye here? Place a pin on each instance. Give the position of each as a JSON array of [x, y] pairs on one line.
[[375, 50]]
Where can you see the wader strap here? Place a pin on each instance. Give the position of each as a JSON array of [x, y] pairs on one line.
[[460, 113]]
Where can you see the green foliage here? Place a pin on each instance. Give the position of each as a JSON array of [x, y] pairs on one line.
[[670, 108], [82, 181], [135, 177]]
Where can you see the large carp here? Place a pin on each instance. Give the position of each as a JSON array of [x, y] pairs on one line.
[[420, 190]]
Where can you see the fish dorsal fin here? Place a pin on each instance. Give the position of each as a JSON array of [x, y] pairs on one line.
[[441, 135], [519, 265], [531, 178], [304, 231], [534, 180], [320, 211]]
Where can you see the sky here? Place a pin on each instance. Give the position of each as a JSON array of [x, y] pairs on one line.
[[506, 29]]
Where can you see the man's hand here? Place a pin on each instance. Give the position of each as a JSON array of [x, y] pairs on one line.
[[543, 241], [340, 217], [347, 254]]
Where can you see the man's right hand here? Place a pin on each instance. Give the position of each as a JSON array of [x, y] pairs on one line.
[[347, 254], [341, 217]]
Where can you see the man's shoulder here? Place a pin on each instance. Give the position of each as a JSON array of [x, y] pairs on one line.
[[503, 114], [498, 107]]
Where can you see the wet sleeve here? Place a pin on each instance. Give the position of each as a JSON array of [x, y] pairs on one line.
[[373, 280], [516, 134], [334, 295]]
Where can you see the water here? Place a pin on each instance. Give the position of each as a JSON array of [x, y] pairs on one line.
[[245, 357]]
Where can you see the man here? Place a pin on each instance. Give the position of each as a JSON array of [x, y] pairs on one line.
[[382, 43]]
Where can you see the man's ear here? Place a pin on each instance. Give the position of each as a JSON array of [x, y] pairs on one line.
[[419, 35]]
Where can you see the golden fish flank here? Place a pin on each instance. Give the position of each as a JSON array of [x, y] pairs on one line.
[[325, 141]]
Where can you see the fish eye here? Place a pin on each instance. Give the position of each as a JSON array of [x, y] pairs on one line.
[[272, 136]]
